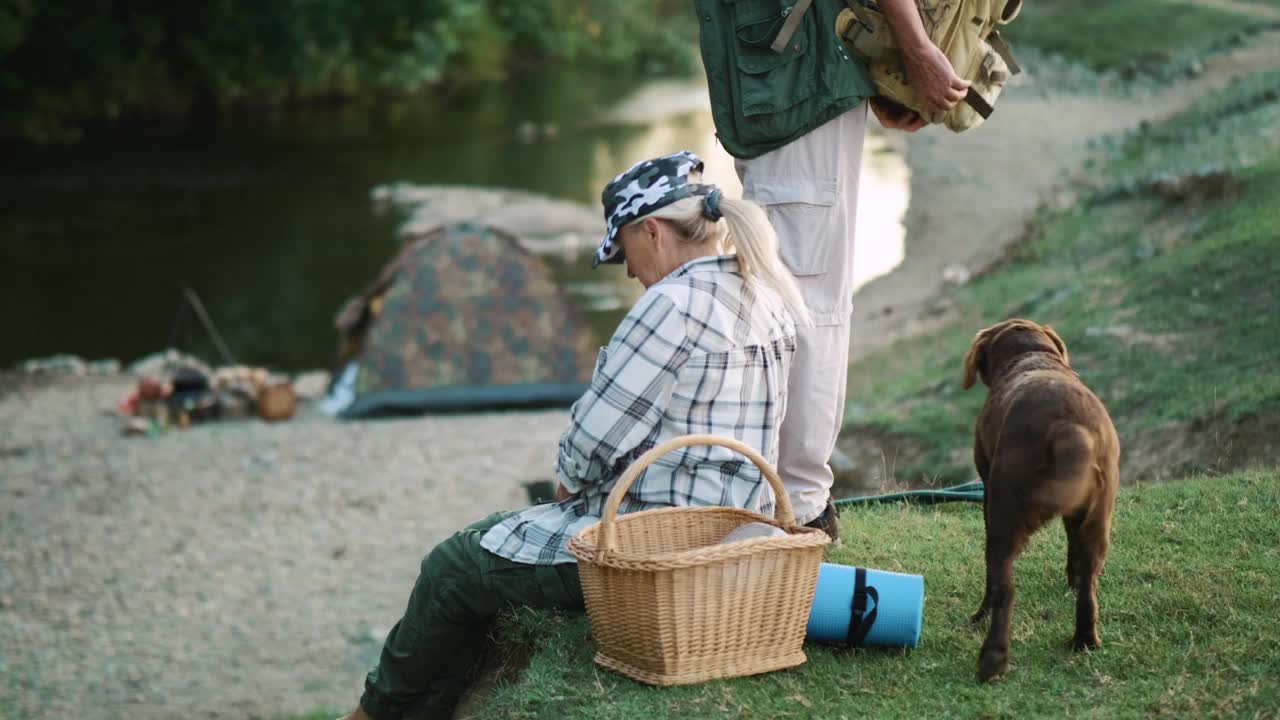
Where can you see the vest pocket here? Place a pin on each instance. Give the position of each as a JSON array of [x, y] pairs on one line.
[[772, 82], [768, 81], [757, 22]]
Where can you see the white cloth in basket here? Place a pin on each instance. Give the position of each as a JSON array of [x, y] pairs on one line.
[[752, 530]]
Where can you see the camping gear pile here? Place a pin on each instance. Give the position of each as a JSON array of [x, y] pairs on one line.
[[670, 603], [179, 391], [463, 318]]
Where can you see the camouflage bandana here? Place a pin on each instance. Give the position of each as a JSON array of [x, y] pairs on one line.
[[647, 186]]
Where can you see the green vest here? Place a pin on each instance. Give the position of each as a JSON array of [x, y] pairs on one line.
[[762, 99]]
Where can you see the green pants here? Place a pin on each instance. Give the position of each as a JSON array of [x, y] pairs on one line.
[[428, 654]]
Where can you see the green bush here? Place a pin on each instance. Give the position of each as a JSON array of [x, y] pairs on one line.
[[65, 65]]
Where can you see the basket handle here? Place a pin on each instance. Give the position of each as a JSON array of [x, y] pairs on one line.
[[782, 504]]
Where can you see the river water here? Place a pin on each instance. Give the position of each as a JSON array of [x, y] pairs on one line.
[[269, 218]]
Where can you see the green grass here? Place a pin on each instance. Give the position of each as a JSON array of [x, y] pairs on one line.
[[1188, 622], [1229, 129], [1116, 35], [1167, 304]]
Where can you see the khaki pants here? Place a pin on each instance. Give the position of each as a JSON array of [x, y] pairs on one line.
[[809, 188]]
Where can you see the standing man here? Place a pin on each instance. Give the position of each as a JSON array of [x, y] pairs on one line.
[[791, 105]]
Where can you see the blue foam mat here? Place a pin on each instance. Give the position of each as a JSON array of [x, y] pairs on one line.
[[894, 605]]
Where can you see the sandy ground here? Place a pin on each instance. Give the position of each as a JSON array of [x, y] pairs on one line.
[[251, 570], [233, 570]]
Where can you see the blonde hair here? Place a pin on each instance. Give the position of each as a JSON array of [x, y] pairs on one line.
[[746, 230]]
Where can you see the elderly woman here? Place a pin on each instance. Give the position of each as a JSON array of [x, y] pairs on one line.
[[706, 349]]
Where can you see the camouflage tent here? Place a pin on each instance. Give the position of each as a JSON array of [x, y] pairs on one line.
[[463, 318]]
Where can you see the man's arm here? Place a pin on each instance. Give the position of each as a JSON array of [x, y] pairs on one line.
[[927, 68], [627, 397]]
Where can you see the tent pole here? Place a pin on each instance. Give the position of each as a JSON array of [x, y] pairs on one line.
[[198, 306]]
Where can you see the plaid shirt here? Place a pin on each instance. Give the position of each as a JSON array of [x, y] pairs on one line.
[[701, 352]]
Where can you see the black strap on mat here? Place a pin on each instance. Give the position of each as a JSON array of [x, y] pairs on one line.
[[858, 625]]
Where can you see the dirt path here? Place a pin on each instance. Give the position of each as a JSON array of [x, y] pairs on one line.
[[972, 194]]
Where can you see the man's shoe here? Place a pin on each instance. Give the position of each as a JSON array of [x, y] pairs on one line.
[[827, 522]]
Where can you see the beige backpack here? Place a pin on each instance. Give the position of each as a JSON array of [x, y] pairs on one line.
[[965, 32]]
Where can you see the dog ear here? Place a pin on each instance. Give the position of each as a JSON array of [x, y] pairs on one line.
[[1062, 347], [975, 361]]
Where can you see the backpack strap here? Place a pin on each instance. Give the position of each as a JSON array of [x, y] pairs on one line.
[[794, 15], [998, 44], [978, 103], [859, 626]]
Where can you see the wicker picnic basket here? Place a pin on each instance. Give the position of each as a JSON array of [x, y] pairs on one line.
[[669, 604]]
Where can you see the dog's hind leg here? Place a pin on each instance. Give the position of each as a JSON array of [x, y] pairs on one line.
[[1092, 539], [1070, 488], [1071, 523]]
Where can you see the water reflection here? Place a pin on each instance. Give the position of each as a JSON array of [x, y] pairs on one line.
[[883, 196], [674, 115], [270, 219]]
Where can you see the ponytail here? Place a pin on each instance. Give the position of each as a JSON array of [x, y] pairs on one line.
[[746, 229], [751, 234]]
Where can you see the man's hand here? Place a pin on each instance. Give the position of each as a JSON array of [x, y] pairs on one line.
[[562, 493], [934, 80], [896, 117], [928, 70]]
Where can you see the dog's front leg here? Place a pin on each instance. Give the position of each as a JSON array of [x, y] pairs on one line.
[[982, 463], [984, 607], [993, 660], [1006, 534]]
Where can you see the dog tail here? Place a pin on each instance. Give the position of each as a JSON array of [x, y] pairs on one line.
[[1073, 474]]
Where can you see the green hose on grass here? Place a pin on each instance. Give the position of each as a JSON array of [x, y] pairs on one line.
[[965, 492]]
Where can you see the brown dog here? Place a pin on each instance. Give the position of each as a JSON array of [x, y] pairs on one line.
[[1044, 447]]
